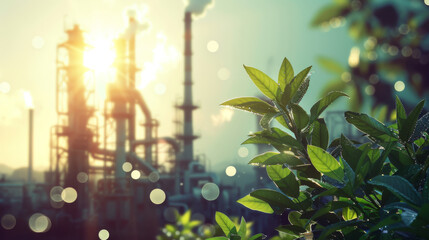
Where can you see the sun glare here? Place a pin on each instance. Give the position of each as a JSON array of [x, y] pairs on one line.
[[100, 56]]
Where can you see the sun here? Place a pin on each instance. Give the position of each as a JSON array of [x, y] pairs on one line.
[[100, 56]]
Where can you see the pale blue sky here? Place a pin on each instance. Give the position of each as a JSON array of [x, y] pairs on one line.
[[252, 32]]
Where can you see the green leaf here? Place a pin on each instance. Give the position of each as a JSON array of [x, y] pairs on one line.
[[349, 214], [224, 223], [260, 159], [294, 218], [258, 236], [285, 74], [185, 218], [284, 179], [399, 186], [250, 104], [266, 120], [218, 238], [325, 163], [390, 220], [277, 201], [421, 127], [370, 126], [276, 136], [285, 157], [300, 116], [298, 81], [291, 229], [401, 115], [330, 206], [349, 152], [243, 228], [323, 103], [337, 226], [407, 129], [320, 134], [265, 84], [331, 65], [400, 159], [255, 204], [301, 91]]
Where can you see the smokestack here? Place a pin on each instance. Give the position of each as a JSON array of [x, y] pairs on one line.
[[30, 147], [29, 104], [188, 106]]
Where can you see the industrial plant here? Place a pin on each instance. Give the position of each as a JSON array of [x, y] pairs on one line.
[[106, 178]]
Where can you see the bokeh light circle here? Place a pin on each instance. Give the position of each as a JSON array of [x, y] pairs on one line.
[[210, 191], [103, 234], [69, 195], [399, 86], [153, 177], [213, 46], [230, 171], [243, 152], [157, 196], [136, 174], [82, 177], [8, 221], [55, 194], [370, 90], [39, 223], [127, 167]]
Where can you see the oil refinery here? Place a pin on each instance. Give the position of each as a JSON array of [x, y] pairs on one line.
[[105, 176]]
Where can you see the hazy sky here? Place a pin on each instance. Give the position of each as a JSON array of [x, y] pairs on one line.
[[252, 32]]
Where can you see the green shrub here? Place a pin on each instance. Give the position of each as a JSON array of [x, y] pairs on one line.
[[340, 189]]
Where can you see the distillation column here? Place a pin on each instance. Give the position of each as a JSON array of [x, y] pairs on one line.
[[79, 136]]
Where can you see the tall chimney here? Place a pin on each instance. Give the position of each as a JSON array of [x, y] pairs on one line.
[[188, 135], [30, 146]]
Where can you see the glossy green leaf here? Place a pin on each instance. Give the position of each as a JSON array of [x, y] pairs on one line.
[[349, 214], [294, 218], [260, 159], [284, 179], [258, 236], [401, 115], [323, 103], [266, 120], [300, 116], [301, 91], [399, 186], [320, 134], [298, 81], [407, 129], [325, 163], [242, 229], [250, 104], [285, 157], [265, 84], [277, 201], [390, 220], [224, 223], [255, 204], [370, 126], [291, 229], [328, 230], [349, 152], [422, 126], [286, 74]]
